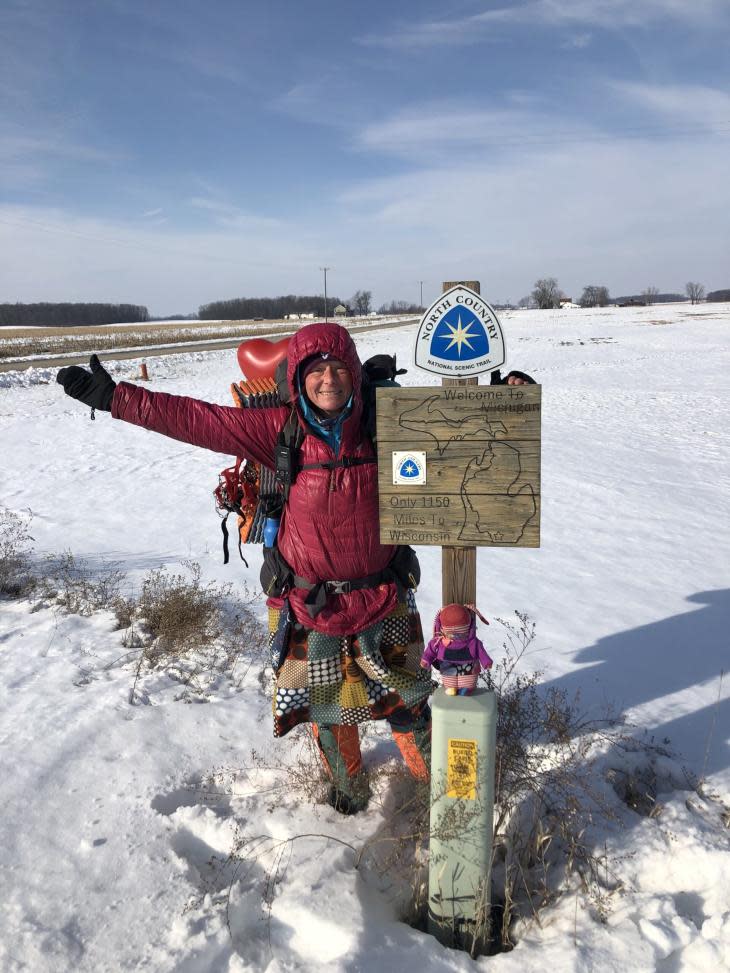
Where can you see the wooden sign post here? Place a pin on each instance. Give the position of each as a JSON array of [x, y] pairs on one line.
[[459, 564], [474, 451]]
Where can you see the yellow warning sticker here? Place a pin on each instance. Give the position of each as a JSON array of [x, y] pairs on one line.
[[461, 780]]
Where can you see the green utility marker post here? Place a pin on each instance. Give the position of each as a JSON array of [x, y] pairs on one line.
[[462, 812]]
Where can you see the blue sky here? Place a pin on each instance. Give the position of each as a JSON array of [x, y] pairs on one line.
[[174, 153]]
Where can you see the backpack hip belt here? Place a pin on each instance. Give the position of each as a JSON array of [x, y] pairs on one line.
[[403, 569]]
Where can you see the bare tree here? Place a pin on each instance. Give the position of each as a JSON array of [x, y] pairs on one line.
[[546, 293], [695, 292], [650, 294], [594, 296], [360, 302]]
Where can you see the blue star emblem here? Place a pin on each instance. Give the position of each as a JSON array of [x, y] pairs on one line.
[[460, 336]]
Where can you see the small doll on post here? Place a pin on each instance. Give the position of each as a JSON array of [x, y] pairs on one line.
[[455, 649]]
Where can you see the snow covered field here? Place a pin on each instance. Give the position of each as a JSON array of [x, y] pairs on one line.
[[113, 813]]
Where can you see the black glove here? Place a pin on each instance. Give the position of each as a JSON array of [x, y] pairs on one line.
[[497, 379], [94, 388]]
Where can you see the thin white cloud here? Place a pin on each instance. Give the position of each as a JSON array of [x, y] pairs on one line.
[[231, 216], [208, 62], [29, 160], [326, 98], [212, 43], [578, 41], [19, 147], [412, 132], [302, 96], [622, 13], [699, 105], [608, 14], [437, 129]]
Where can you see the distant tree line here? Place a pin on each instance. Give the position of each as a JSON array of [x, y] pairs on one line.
[[268, 308], [547, 294], [400, 307], [651, 295], [52, 315]]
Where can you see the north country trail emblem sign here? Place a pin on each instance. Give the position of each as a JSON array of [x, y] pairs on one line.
[[459, 336], [409, 467]]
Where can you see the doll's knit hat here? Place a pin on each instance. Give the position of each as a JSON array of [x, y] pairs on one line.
[[455, 620]]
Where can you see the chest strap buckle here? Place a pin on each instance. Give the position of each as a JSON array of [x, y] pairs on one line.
[[338, 587]]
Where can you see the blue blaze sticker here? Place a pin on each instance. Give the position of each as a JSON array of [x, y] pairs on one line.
[[408, 469]]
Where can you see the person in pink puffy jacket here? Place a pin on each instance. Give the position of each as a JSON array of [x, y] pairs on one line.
[[345, 633]]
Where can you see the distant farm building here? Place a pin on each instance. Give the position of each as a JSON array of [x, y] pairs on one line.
[[341, 310]]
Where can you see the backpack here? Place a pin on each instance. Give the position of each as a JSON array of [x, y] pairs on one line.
[[242, 487], [255, 492]]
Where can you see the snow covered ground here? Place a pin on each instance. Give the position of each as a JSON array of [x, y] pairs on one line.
[[119, 819]]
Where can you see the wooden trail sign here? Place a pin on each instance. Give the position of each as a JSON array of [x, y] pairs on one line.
[[477, 447]]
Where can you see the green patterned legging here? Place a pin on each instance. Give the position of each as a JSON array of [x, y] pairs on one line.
[[339, 747]]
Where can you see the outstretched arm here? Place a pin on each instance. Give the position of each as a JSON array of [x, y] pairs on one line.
[[237, 432], [224, 429]]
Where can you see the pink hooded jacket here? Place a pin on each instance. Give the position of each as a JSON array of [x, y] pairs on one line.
[[330, 527], [456, 651]]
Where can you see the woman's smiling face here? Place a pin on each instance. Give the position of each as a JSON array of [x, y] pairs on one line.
[[328, 385]]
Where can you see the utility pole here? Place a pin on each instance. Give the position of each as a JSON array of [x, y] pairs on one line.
[[325, 269], [421, 303]]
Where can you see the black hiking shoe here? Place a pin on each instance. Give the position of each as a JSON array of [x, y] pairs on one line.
[[347, 803]]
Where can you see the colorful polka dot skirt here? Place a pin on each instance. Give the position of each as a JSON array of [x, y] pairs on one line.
[[348, 679]]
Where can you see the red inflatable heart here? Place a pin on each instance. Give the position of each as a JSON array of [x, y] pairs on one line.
[[259, 357]]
